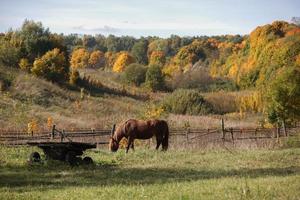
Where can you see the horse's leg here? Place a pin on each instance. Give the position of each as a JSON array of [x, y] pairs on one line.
[[132, 145], [130, 142], [158, 142]]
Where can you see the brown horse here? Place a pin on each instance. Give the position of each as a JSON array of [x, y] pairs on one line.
[[136, 129]]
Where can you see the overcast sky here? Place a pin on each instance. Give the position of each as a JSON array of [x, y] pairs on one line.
[[147, 17]]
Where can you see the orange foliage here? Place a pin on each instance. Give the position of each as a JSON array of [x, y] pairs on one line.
[[294, 31], [157, 58], [97, 59]]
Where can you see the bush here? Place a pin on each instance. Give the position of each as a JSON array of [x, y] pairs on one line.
[[25, 65], [51, 66], [186, 102], [135, 74], [155, 79], [199, 79]]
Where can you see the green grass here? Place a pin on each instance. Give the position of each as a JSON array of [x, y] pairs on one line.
[[147, 174]]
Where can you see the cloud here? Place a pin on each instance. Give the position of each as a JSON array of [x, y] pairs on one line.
[[103, 29]]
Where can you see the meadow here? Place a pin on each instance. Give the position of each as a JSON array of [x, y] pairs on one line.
[[149, 174]]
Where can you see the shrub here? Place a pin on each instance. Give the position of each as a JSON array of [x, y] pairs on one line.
[[79, 58], [25, 65], [154, 78], [51, 66], [184, 101], [135, 74], [9, 55]]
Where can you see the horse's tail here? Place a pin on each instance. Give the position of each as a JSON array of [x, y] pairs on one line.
[[165, 141]]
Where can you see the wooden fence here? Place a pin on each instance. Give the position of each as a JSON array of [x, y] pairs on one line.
[[180, 137]]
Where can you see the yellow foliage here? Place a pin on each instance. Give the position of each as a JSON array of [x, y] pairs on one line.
[[79, 58], [170, 70], [52, 65], [32, 127], [153, 112], [252, 102], [123, 60], [24, 64]]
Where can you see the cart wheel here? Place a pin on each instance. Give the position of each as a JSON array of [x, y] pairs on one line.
[[34, 157], [70, 157], [88, 160]]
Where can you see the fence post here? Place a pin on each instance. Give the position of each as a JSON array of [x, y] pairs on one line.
[[62, 135], [284, 128], [52, 132], [232, 138], [277, 132], [187, 135], [223, 130]]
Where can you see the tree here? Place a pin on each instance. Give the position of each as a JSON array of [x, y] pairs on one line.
[[51, 66], [89, 42], [296, 20], [110, 59], [123, 60], [112, 43], [157, 58], [97, 59], [158, 45], [155, 78], [79, 58], [135, 74], [35, 39], [9, 54], [283, 96], [139, 51]]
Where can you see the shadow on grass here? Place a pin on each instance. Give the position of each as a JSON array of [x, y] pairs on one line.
[[109, 175]]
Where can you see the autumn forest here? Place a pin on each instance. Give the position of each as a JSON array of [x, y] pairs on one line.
[[265, 64]]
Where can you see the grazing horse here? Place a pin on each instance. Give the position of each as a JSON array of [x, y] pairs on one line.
[[136, 129]]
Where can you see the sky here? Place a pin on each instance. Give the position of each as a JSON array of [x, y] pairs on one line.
[[147, 17]]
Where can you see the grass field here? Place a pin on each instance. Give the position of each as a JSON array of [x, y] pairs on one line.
[[147, 174]]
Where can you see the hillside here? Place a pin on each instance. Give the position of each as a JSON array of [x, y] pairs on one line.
[[95, 81]]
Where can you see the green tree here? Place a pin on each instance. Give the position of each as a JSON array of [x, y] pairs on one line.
[[139, 51], [51, 66], [135, 74], [35, 39], [9, 54], [155, 78], [283, 96]]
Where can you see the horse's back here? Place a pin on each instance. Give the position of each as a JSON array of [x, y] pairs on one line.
[[145, 129]]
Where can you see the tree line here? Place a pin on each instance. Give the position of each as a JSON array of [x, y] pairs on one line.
[[267, 59]]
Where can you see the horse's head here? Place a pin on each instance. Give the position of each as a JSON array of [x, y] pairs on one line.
[[113, 145], [113, 142]]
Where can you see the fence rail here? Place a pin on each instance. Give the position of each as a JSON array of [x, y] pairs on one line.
[[180, 136]]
